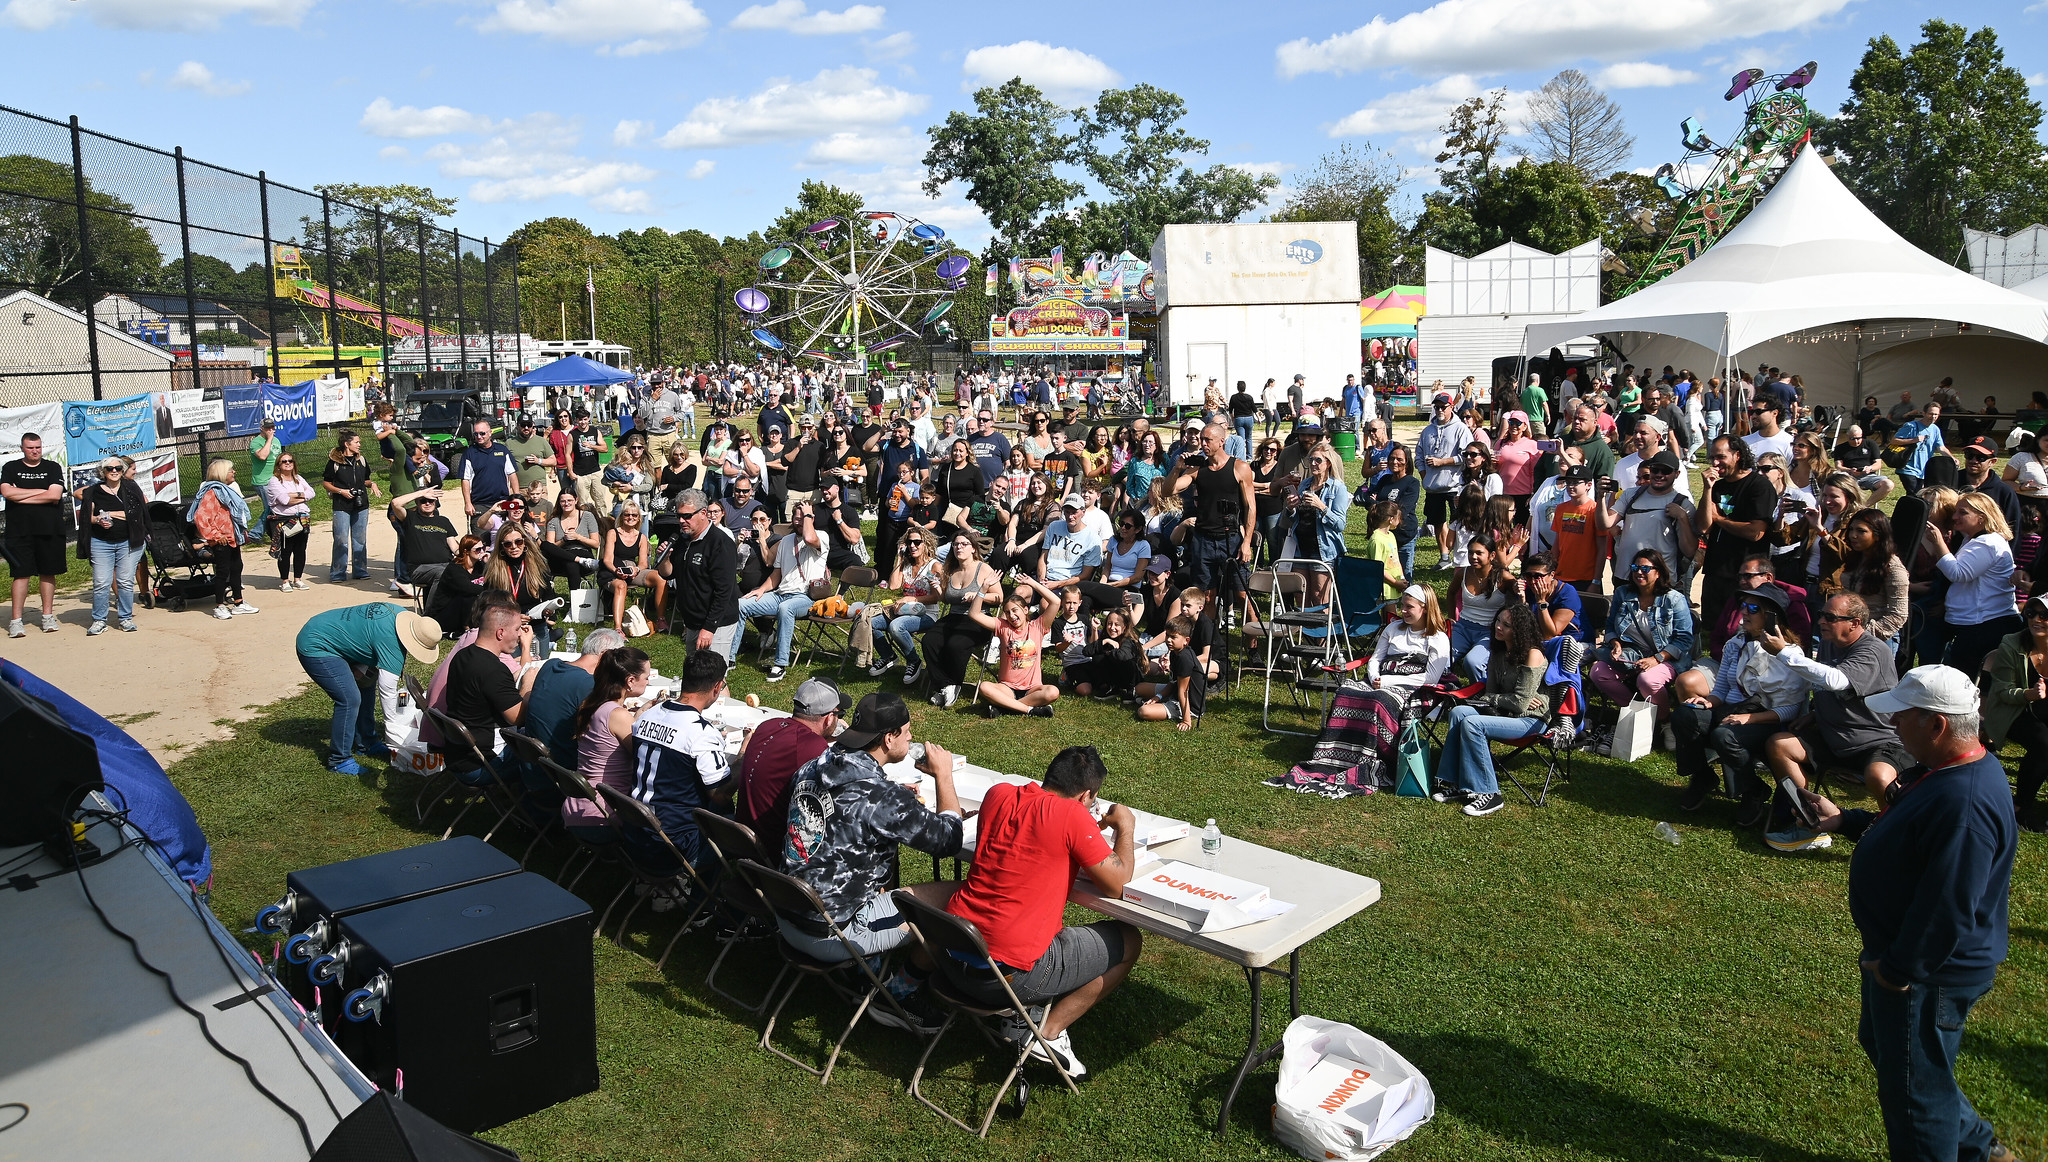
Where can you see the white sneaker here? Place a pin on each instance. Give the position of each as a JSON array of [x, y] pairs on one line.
[[96, 629], [50, 623], [1058, 1050], [222, 613], [401, 589], [301, 584], [16, 629], [244, 608]]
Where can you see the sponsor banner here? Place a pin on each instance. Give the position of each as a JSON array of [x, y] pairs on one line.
[[243, 408], [190, 409], [293, 410], [94, 430], [331, 401]]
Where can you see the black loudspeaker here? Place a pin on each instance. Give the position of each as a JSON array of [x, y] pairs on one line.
[[477, 1004], [385, 1129], [317, 898], [50, 766]]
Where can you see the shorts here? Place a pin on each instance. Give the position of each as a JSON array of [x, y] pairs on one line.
[[1825, 758], [1210, 558], [1174, 710], [1436, 507], [1077, 955], [36, 554], [877, 927]]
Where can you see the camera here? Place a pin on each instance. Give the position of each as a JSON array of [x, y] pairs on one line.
[[359, 495]]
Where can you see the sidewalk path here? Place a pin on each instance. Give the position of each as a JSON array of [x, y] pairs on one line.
[[183, 679]]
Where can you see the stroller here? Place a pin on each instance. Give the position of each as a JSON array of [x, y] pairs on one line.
[[173, 552]]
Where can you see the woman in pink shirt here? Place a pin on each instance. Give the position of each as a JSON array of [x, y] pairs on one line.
[[601, 727], [1515, 460]]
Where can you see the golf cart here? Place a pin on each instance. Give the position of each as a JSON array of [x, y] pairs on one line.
[[446, 417]]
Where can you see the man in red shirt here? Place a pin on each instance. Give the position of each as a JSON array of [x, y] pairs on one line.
[[1030, 842], [775, 751]]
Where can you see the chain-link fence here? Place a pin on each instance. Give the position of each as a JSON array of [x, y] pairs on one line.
[[201, 276]]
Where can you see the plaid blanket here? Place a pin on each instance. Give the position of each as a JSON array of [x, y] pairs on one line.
[[1355, 750]]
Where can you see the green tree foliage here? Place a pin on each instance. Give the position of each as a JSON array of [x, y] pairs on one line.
[[1636, 218], [1132, 145], [815, 201], [1007, 153], [39, 242], [1544, 205], [221, 339], [1357, 183], [1942, 136], [1472, 137]]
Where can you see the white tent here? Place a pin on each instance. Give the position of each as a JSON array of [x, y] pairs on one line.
[[2038, 288], [1813, 279]]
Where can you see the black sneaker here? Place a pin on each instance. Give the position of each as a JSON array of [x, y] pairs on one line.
[[1484, 804], [1696, 791], [1041, 712], [912, 671], [1445, 793], [924, 1020], [1755, 806], [775, 673]]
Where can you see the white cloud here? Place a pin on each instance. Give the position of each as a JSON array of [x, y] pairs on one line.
[[600, 183], [701, 169], [1498, 35], [381, 119], [834, 100], [1643, 75], [153, 15], [200, 79], [897, 146], [1065, 74], [2038, 79], [618, 27], [395, 153], [794, 16], [1422, 110], [631, 132], [892, 47]]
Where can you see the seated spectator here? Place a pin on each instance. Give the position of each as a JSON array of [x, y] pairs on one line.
[[785, 594], [679, 758], [554, 689], [2015, 709], [602, 730], [1033, 840], [623, 564], [1413, 652], [453, 595], [1516, 704], [571, 541], [838, 517], [1756, 691], [1557, 607], [481, 691], [1840, 732], [1019, 685], [1649, 636], [921, 579], [1072, 555], [775, 751], [957, 637], [426, 539], [1182, 697], [1108, 666], [1757, 572], [1858, 456], [1482, 590]]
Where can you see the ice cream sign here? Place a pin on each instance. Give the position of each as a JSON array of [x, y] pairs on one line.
[[1057, 316]]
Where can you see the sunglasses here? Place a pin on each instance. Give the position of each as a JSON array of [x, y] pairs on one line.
[[689, 514], [913, 542], [1753, 607], [1747, 576], [1643, 569], [1534, 576], [512, 543], [1834, 617]]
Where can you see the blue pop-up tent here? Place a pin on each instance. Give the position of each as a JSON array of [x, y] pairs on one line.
[[572, 371]]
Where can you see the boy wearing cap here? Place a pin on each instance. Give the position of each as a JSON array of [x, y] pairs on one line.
[[1576, 532], [776, 750], [1756, 690], [1928, 889]]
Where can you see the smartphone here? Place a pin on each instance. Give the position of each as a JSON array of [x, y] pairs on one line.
[[1548, 445]]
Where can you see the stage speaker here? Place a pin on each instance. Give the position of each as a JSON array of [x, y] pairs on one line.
[[385, 1129], [50, 767], [476, 1004], [317, 898]]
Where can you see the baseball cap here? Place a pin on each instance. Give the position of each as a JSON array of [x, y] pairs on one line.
[[1664, 460], [1982, 446], [1770, 595], [1520, 417], [1194, 423], [876, 716], [1442, 397], [1656, 425], [1938, 689], [818, 697], [1073, 504], [1577, 474], [1308, 425]]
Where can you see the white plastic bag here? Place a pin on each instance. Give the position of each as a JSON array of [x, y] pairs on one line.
[[1633, 730], [408, 754], [583, 607], [1369, 1097]]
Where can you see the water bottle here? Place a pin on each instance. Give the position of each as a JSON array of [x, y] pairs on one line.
[[1667, 833], [569, 640], [1212, 845]]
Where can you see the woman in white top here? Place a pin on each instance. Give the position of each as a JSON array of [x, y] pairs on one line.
[[1980, 610], [1414, 651], [2026, 472], [289, 496], [1483, 589]]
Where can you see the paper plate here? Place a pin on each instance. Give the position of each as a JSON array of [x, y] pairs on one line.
[[953, 267], [750, 300], [776, 257], [936, 313], [766, 338]]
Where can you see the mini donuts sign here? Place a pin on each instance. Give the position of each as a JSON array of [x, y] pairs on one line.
[[1058, 316]]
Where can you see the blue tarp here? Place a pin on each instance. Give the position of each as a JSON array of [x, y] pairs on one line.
[[572, 371], [155, 807]]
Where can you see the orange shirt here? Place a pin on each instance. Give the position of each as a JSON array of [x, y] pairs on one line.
[[1581, 547]]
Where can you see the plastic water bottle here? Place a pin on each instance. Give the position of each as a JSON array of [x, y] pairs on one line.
[[1212, 845], [569, 640], [1667, 833]]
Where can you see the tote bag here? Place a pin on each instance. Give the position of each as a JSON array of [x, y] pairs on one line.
[[1411, 763]]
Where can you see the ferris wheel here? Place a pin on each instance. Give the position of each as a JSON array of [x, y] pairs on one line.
[[853, 286]]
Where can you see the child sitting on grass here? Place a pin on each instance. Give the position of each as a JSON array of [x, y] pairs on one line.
[[1384, 518], [1111, 665], [1180, 699], [1019, 685]]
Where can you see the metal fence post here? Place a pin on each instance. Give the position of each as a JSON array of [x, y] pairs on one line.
[[490, 318], [92, 327], [333, 316], [269, 276], [383, 310], [185, 242], [461, 318], [419, 235]]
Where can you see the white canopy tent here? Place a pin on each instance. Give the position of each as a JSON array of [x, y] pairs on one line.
[[1811, 281], [2037, 288]]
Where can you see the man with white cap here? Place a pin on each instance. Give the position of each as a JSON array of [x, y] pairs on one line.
[[1927, 890], [377, 635]]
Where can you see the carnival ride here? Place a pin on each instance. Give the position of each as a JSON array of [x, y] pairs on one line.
[[294, 281], [854, 286], [1776, 122]]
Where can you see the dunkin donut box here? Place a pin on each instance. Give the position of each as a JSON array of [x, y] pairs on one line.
[[1190, 892]]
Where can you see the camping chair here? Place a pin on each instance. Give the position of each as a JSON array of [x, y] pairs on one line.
[[1555, 741], [815, 633], [475, 771], [532, 753], [633, 817], [732, 841], [793, 902], [947, 935], [1331, 639]]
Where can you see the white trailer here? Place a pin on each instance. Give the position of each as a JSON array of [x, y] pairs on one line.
[[1248, 301]]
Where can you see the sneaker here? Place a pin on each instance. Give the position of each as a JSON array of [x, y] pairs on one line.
[[945, 698], [222, 613], [881, 666], [1058, 1051], [1696, 791], [1449, 794], [1484, 804], [775, 673], [345, 767], [400, 589], [96, 629], [373, 749], [912, 671], [1754, 808], [243, 609], [1041, 712], [50, 623], [924, 1020], [16, 629], [127, 627], [301, 584], [589, 563], [1794, 840], [1667, 738]]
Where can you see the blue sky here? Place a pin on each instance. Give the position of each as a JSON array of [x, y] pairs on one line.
[[707, 113]]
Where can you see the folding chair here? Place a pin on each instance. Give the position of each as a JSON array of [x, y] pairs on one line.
[[793, 901], [573, 785], [814, 633], [1554, 742], [434, 786], [947, 935], [732, 841], [475, 771], [633, 817], [535, 754], [1283, 594]]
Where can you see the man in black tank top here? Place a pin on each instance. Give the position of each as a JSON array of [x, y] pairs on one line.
[[1217, 489]]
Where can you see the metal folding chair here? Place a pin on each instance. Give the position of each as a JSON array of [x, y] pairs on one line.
[[634, 817], [476, 772], [573, 785], [535, 754], [815, 633], [945, 935], [732, 841]]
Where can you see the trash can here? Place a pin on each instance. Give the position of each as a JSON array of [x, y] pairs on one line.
[[1347, 445]]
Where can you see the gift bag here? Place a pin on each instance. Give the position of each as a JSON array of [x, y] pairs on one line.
[[1634, 730], [1345, 1094], [635, 623], [584, 607], [862, 637], [409, 753], [1411, 763]]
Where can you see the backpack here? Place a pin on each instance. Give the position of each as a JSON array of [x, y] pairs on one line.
[[215, 525]]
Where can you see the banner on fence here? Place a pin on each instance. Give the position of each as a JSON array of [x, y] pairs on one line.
[[294, 409], [333, 401], [242, 407], [115, 427], [156, 473], [188, 410], [44, 419]]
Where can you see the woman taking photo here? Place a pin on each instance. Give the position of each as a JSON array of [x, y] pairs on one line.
[[921, 579], [1649, 635], [455, 591], [603, 730], [290, 498], [226, 548], [956, 637], [348, 484], [1399, 484], [1321, 506], [1979, 609], [2016, 708], [1485, 590], [1515, 705], [118, 521], [623, 564]]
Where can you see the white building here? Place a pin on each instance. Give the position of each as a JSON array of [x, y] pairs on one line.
[[45, 356], [161, 318], [2007, 260], [1248, 301], [1479, 306]]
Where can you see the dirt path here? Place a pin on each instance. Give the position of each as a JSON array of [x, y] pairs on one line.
[[184, 678]]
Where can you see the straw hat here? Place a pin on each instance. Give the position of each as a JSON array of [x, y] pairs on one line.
[[421, 636]]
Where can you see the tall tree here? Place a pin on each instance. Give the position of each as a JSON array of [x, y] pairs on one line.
[[40, 246], [418, 203], [1636, 218], [1472, 136], [1941, 137], [1571, 121], [1132, 144], [1008, 154], [815, 201], [1357, 183], [1544, 205]]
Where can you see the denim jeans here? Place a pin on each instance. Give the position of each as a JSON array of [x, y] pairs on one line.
[[1467, 636], [113, 571], [1468, 757], [902, 631], [351, 532], [1407, 549], [1738, 747], [785, 611], [1912, 1038], [1244, 429], [355, 717]]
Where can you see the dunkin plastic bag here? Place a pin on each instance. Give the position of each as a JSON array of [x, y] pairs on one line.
[[1344, 1094]]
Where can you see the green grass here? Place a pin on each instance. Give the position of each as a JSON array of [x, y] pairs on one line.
[[1573, 988]]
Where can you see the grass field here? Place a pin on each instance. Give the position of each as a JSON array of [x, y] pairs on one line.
[[1574, 988]]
